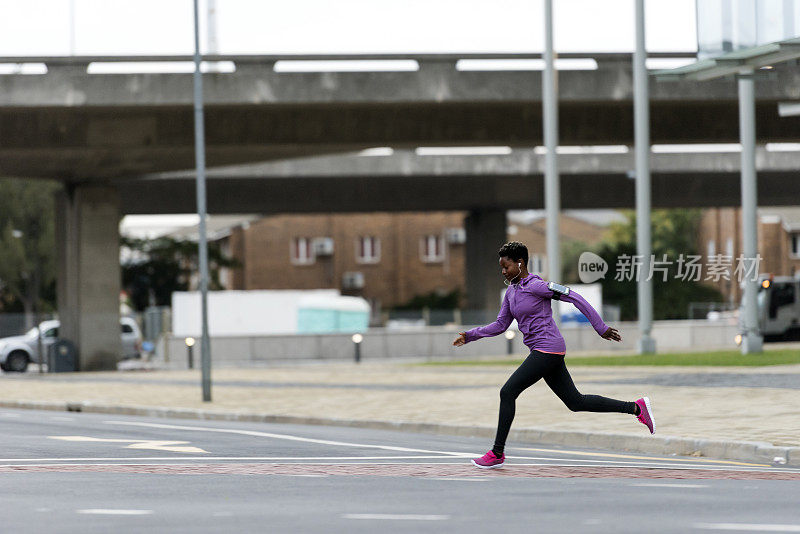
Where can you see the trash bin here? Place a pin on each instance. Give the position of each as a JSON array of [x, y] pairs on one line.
[[62, 357]]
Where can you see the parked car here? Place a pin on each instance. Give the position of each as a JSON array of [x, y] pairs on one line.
[[17, 352]]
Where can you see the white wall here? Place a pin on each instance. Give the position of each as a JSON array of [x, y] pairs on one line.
[[436, 342]]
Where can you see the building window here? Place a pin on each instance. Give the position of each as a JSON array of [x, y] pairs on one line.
[[302, 254], [711, 249], [536, 264], [368, 249], [432, 249], [796, 244]]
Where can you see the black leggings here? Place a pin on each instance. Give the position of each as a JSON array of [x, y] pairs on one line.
[[551, 367]]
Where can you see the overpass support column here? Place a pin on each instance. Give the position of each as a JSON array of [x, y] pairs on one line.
[[752, 340], [486, 233], [87, 238]]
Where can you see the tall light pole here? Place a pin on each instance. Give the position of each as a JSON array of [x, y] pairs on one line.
[[641, 112], [552, 188], [200, 158], [752, 342]]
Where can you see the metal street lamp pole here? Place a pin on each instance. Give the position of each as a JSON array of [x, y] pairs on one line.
[[641, 111], [752, 343], [552, 188], [200, 158]]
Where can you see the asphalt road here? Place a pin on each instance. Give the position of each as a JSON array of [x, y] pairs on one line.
[[74, 472]]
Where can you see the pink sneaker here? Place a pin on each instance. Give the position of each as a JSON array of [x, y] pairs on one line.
[[646, 414], [489, 461]]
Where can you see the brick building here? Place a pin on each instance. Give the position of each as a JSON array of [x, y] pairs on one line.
[[388, 258], [532, 231], [778, 242]]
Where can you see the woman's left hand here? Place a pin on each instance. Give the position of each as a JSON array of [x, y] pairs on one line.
[[612, 334]]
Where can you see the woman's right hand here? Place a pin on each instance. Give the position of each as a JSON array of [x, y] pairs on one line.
[[460, 340]]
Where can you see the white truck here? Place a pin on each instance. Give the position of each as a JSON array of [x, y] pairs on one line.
[[778, 307]]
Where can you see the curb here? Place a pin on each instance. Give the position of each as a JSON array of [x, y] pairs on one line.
[[745, 451]]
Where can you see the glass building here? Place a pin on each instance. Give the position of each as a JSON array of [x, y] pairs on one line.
[[728, 25]]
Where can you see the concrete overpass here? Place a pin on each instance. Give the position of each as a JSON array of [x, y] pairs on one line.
[[404, 181], [113, 138], [78, 126]]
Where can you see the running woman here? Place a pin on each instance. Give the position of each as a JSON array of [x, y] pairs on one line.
[[528, 301]]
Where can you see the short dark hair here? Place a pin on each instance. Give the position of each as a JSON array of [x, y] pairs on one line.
[[514, 251]]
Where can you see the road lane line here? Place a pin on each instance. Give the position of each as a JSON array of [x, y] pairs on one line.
[[401, 517], [5, 461], [288, 437], [461, 479], [102, 511], [635, 457], [747, 527], [664, 485]]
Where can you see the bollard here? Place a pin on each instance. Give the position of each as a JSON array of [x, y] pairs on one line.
[[357, 339], [190, 351], [510, 335]]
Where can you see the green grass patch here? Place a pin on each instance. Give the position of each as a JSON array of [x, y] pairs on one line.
[[715, 358]]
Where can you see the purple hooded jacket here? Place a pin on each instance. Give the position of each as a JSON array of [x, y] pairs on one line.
[[529, 303]]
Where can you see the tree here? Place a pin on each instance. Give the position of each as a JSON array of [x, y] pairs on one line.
[[673, 232], [154, 269], [570, 254], [27, 260]]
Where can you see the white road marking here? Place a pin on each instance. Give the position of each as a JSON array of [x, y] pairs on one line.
[[664, 485], [222, 514], [10, 414], [284, 459], [636, 457], [172, 446], [461, 479], [413, 517], [59, 418], [101, 511], [284, 436], [747, 527], [654, 464]]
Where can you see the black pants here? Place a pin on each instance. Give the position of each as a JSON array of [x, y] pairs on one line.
[[551, 367]]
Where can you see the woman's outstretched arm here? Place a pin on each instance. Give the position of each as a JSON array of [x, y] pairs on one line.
[[504, 319], [586, 309], [558, 292]]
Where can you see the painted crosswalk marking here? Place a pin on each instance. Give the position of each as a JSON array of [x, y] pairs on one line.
[[148, 444]]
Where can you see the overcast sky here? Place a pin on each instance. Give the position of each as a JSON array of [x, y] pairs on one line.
[[153, 27]]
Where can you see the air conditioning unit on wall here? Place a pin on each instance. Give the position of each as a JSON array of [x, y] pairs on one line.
[[353, 280], [323, 246], [456, 236]]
